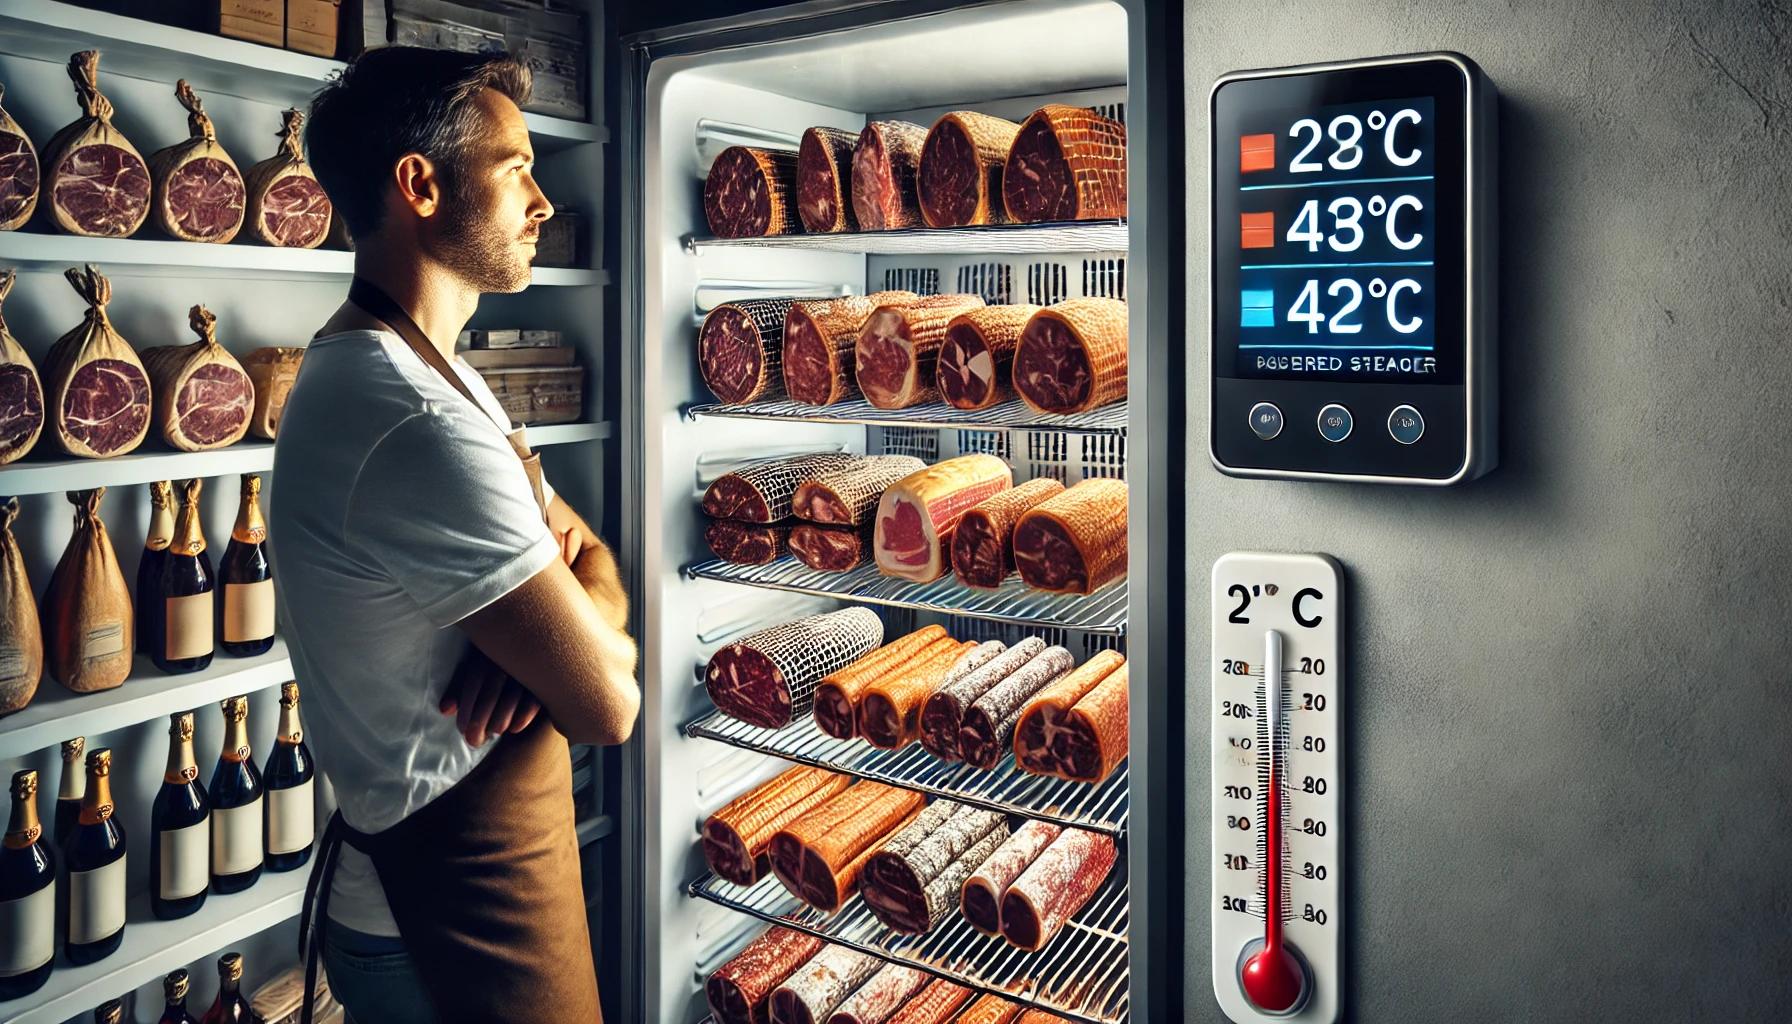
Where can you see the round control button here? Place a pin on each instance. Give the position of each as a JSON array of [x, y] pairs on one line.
[[1335, 423], [1406, 425], [1266, 420]]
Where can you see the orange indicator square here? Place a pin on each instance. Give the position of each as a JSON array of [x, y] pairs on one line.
[[1257, 152], [1257, 230]]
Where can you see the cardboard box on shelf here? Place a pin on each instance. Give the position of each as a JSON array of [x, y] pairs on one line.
[[539, 394], [498, 358], [259, 21], [311, 26]]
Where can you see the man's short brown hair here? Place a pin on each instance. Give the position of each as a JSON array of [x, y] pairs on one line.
[[393, 101]]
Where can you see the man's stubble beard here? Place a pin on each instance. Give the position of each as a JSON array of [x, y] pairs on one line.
[[471, 246]]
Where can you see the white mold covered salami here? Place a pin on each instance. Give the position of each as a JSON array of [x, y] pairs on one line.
[[95, 181], [21, 390], [988, 727], [96, 391], [287, 207], [980, 898], [1055, 887], [878, 999], [20, 173], [761, 492], [203, 399], [898, 880], [818, 988], [197, 194], [740, 991], [943, 714], [768, 679], [740, 349]]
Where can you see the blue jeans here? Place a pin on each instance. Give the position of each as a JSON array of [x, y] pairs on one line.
[[373, 977]]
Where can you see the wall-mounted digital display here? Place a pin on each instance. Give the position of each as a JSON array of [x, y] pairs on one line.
[[1352, 257]]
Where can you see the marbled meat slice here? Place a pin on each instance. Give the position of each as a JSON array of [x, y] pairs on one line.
[[1094, 742], [1046, 717], [1055, 887], [917, 514], [295, 212], [1071, 357], [899, 346], [847, 496], [878, 999], [1074, 543], [818, 987], [837, 697], [824, 180], [831, 548], [741, 348], [751, 193], [21, 411], [737, 837], [943, 714], [883, 175], [976, 359], [960, 179], [980, 898], [760, 492], [101, 189], [1067, 163], [889, 712], [20, 175], [206, 199], [746, 543], [768, 679], [988, 727], [818, 857], [739, 992], [213, 406], [983, 544], [819, 338], [936, 1004], [897, 880], [106, 406]]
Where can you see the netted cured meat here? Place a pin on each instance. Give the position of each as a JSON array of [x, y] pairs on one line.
[[1074, 543], [847, 496], [936, 1004], [96, 392], [836, 698], [912, 882], [819, 339], [824, 180], [831, 548], [94, 180], [740, 991], [737, 837], [1045, 720], [989, 1009], [741, 347], [890, 709], [746, 543], [1056, 886], [960, 178], [899, 346], [768, 679], [976, 359], [203, 399], [287, 207], [883, 175], [1071, 357], [1066, 163], [988, 727], [980, 898], [197, 193], [21, 390], [818, 857], [20, 174], [917, 514], [760, 492], [983, 544], [943, 714], [818, 987], [878, 999], [751, 193]]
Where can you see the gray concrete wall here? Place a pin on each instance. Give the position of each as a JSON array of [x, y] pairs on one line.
[[1570, 726]]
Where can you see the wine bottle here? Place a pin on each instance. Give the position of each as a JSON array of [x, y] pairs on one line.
[[236, 805], [70, 791], [179, 854], [27, 896], [155, 555], [184, 643], [230, 1007], [291, 811], [246, 580], [175, 987], [110, 1012], [96, 869]]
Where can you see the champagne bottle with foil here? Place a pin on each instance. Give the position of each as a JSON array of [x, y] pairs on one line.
[[110, 1012], [174, 989], [230, 1007], [246, 580], [288, 776], [95, 853], [180, 850], [236, 796], [184, 643], [70, 790], [27, 896], [155, 556]]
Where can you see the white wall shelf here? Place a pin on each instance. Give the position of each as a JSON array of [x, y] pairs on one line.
[[152, 948]]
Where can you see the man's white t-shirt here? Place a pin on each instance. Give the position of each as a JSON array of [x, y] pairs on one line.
[[396, 509]]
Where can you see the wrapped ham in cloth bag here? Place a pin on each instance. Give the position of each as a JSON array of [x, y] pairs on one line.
[[19, 172], [287, 207], [98, 392], [21, 639], [203, 398], [21, 392], [95, 181], [197, 193], [88, 630]]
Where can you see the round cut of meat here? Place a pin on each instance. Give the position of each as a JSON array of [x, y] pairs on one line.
[[903, 536], [214, 404], [823, 175], [883, 175], [950, 176], [18, 176], [967, 372], [21, 407], [207, 198], [749, 193], [1067, 163], [103, 188], [296, 212], [106, 406], [1054, 370]]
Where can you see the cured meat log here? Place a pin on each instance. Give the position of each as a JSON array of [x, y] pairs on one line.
[[983, 544], [976, 359], [740, 991], [988, 727], [197, 193], [21, 391], [737, 837], [760, 492], [912, 882], [847, 496], [831, 548], [20, 174], [883, 175], [917, 514], [203, 399], [1094, 742], [824, 180], [898, 347], [272, 372], [936, 1004], [960, 178], [96, 391], [1038, 1016], [890, 708], [1055, 887], [746, 543], [837, 697], [818, 857], [879, 998], [740, 349], [1071, 357], [768, 679], [751, 193], [1044, 719], [287, 207], [980, 898], [989, 1009], [819, 339], [95, 180], [1074, 543], [818, 987], [943, 714], [1067, 163]]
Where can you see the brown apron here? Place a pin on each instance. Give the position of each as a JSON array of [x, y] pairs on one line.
[[478, 879]]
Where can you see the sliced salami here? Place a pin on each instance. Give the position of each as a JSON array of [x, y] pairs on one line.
[[20, 174], [976, 359], [980, 898], [746, 543], [960, 177], [760, 492], [988, 727], [818, 987], [737, 838], [943, 714], [1055, 887], [899, 345], [883, 175], [751, 193], [741, 348], [1074, 543], [824, 180], [836, 699], [819, 856], [881, 996], [847, 496], [983, 544], [831, 548], [1071, 357], [740, 991], [1067, 163], [819, 339], [768, 679], [899, 877]]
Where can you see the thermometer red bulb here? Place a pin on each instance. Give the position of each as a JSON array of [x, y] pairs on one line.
[[1272, 974]]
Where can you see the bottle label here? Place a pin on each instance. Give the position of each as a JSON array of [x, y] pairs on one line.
[[102, 642], [189, 626], [236, 838], [291, 818], [248, 611], [12, 662], [96, 902], [185, 867], [29, 924]]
